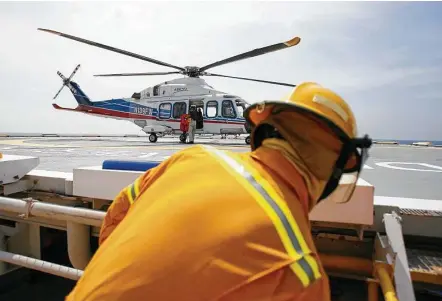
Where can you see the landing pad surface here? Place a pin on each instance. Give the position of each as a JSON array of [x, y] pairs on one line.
[[395, 171]]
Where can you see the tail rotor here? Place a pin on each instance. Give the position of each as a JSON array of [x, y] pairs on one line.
[[66, 81]]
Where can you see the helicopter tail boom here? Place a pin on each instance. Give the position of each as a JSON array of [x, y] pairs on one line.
[[79, 95]]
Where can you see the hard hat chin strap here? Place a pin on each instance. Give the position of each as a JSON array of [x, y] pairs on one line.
[[338, 170], [349, 148]]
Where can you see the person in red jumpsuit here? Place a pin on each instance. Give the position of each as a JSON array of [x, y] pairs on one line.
[[184, 125]]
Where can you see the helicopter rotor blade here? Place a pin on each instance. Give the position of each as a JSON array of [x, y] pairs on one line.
[[250, 79], [121, 51], [255, 52], [138, 74]]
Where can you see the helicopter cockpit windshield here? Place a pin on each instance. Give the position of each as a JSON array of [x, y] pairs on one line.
[[241, 106]]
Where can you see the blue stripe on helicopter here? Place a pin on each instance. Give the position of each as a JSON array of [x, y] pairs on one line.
[[122, 105]]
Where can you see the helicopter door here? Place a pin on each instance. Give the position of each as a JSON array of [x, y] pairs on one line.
[[199, 104]]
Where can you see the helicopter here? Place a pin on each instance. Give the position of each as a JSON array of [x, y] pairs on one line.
[[158, 109]]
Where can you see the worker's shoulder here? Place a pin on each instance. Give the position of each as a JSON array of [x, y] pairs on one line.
[[199, 157], [195, 153]]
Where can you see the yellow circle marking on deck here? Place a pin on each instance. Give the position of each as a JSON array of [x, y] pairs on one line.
[[11, 142], [22, 142]]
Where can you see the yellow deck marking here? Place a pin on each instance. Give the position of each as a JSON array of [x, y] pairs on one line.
[[22, 142]]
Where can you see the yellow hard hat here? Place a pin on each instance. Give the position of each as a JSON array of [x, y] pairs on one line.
[[310, 97], [322, 104]]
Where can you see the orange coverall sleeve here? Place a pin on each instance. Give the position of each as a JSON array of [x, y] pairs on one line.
[[121, 204], [114, 215]]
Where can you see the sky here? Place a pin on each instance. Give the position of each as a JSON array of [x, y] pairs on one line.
[[383, 58]]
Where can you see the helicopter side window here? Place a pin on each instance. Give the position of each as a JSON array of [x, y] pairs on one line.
[[212, 109], [136, 95], [227, 109], [165, 110], [240, 107], [179, 108], [156, 90]]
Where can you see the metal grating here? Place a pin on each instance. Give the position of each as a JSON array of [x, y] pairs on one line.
[[419, 212], [425, 261]]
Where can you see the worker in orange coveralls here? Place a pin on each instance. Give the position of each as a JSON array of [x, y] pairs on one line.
[[237, 227]]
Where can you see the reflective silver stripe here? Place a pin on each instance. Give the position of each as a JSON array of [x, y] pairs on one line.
[[241, 170]]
